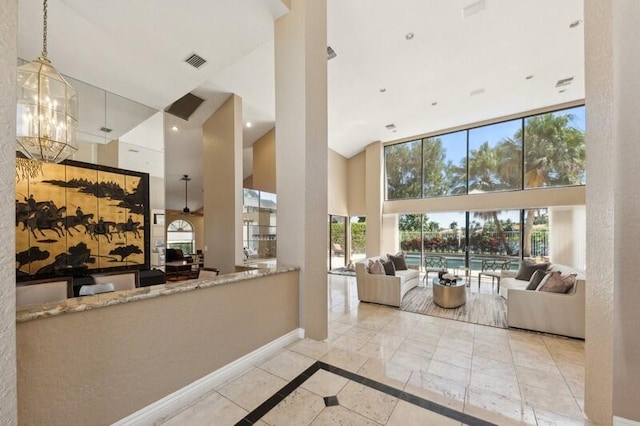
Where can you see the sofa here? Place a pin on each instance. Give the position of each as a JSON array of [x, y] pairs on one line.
[[384, 289], [556, 313]]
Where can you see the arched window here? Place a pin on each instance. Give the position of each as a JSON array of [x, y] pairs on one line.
[[180, 236]]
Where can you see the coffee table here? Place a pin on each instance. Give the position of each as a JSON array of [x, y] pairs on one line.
[[449, 296]]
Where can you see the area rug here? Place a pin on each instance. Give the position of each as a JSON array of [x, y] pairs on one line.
[[343, 271], [485, 309]]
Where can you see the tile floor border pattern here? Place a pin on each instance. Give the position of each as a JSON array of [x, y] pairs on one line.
[[280, 395]]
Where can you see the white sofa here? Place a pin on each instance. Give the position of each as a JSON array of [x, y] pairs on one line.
[[384, 289], [547, 312]]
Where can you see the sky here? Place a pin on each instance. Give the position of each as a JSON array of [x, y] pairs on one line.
[[455, 144]]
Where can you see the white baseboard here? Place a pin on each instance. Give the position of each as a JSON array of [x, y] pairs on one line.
[[620, 421], [178, 400]]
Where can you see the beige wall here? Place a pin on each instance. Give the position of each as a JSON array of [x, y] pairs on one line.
[[567, 236], [108, 154], [613, 295], [531, 198], [222, 177], [301, 154], [626, 355], [601, 273], [248, 182], [337, 172], [8, 55], [156, 193], [98, 366], [356, 191], [374, 196], [264, 163]]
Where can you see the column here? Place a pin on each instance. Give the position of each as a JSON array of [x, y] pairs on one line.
[[8, 63], [301, 154], [613, 202], [222, 182], [374, 197]]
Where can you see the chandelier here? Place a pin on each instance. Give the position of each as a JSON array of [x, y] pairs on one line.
[[47, 109]]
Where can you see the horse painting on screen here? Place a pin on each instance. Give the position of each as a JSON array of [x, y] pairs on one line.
[[83, 215]]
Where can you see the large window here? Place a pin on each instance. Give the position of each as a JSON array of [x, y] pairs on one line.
[[472, 238], [403, 165], [444, 165], [337, 241], [180, 236], [537, 151], [358, 238], [554, 149], [495, 157]]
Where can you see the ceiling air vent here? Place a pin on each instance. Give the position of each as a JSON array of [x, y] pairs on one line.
[[564, 82], [106, 129], [331, 53], [390, 126], [474, 8], [195, 60], [185, 106]]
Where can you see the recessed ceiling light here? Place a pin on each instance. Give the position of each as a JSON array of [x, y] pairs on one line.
[[383, 90], [249, 124], [409, 36], [105, 129], [390, 126], [476, 92], [133, 150], [434, 103], [174, 128], [575, 23], [562, 91], [529, 77]]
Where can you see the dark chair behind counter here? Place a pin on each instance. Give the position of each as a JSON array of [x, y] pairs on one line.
[[176, 255]]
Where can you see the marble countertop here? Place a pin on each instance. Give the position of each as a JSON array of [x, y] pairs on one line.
[[78, 304]]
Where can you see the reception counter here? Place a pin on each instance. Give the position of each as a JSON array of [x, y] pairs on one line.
[[78, 304], [97, 359]]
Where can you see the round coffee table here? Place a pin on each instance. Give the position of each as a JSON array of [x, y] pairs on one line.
[[449, 296]]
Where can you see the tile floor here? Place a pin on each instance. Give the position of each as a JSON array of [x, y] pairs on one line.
[[497, 375]]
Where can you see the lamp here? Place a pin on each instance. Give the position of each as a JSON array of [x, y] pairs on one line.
[[186, 180], [47, 109]]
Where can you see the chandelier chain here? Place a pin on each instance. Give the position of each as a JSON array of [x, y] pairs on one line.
[[44, 30]]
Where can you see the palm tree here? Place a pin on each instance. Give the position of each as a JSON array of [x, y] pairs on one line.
[[554, 155], [484, 177]]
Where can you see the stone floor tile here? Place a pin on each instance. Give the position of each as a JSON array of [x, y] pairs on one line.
[[252, 389], [367, 402], [323, 383], [332, 416], [301, 407], [214, 408], [406, 414], [287, 364]]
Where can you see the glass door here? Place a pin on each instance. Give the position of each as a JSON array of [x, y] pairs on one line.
[[337, 241]]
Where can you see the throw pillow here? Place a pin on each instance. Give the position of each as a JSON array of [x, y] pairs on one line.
[[528, 268], [375, 267], [534, 282], [556, 283], [389, 269], [399, 261]]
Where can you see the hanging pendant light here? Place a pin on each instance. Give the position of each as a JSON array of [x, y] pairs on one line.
[[186, 180], [47, 116]]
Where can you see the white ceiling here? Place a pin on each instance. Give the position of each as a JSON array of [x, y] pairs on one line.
[[136, 49]]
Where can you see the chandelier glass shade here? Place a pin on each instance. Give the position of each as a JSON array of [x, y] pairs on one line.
[[47, 115]]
